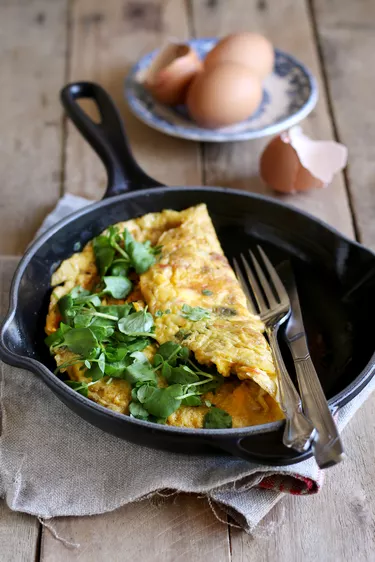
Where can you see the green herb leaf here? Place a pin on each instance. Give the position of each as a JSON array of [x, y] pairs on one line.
[[88, 299], [138, 411], [225, 311], [101, 362], [207, 292], [182, 375], [80, 387], [143, 393], [65, 305], [115, 353], [211, 385], [78, 291], [166, 371], [101, 332], [162, 402], [217, 419], [158, 360], [171, 352], [54, 339], [117, 287], [81, 341], [136, 324], [104, 253], [138, 344], [139, 373], [64, 328], [141, 255], [87, 364], [194, 313], [117, 369], [191, 401], [139, 356], [83, 320], [120, 267], [182, 335], [95, 373]]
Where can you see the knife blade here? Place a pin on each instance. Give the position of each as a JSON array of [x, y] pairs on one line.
[[327, 447]]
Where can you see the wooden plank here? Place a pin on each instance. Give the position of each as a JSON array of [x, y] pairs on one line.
[[18, 536], [18, 532], [338, 524], [236, 164], [321, 527], [107, 38], [346, 32], [32, 62], [181, 529]]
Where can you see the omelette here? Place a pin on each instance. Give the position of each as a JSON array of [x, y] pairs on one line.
[[196, 301]]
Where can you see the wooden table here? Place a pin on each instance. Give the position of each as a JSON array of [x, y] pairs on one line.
[[45, 43]]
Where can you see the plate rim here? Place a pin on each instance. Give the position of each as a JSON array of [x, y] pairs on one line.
[[209, 135]]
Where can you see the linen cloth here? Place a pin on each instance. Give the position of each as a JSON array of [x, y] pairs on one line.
[[53, 463]]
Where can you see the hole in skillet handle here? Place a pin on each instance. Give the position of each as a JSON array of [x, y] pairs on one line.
[[264, 447], [107, 138]]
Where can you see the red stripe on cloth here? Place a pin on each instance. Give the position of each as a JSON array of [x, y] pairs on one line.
[[294, 484]]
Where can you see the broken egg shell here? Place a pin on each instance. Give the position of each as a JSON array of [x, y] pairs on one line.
[[281, 169], [322, 158], [171, 72]]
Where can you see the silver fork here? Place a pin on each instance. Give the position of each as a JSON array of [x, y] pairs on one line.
[[299, 431]]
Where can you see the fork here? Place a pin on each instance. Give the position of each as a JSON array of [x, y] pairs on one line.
[[299, 431]]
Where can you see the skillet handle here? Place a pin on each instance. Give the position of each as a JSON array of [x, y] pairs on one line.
[[107, 138], [263, 448]]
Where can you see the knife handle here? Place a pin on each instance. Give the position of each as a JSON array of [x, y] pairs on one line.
[[327, 446], [299, 430]]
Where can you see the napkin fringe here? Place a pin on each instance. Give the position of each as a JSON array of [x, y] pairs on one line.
[[54, 533]]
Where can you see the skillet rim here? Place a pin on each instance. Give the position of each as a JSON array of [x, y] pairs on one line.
[[38, 368]]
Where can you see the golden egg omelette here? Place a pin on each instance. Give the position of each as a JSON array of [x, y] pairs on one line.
[[191, 273]]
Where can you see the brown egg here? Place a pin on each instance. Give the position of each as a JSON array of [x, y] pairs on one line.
[[281, 169], [171, 72], [250, 49], [222, 95]]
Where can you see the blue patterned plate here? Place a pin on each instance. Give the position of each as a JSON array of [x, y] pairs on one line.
[[289, 94]]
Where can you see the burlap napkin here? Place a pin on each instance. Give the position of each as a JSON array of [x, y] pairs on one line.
[[52, 463]]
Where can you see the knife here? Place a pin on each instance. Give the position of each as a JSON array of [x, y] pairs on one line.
[[327, 446]]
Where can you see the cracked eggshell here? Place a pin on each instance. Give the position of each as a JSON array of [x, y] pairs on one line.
[[171, 72], [293, 162]]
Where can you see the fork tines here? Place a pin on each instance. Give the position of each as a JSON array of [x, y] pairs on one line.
[[265, 295]]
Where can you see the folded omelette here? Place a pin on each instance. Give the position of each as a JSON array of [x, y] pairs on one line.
[[191, 273]]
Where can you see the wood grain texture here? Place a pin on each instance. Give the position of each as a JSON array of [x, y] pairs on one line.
[[236, 164], [346, 32], [107, 38], [18, 536], [318, 528], [18, 532], [180, 529], [32, 62], [336, 525]]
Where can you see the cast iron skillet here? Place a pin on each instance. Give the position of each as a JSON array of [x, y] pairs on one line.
[[335, 278]]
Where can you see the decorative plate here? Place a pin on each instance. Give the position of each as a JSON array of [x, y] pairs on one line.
[[290, 93]]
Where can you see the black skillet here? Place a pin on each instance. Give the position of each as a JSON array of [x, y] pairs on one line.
[[335, 279]]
